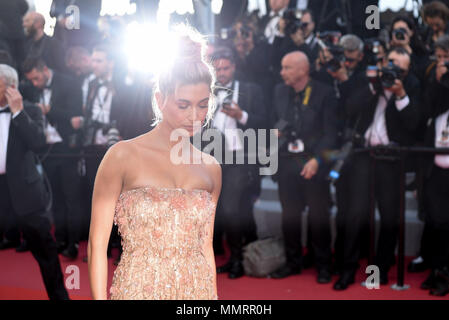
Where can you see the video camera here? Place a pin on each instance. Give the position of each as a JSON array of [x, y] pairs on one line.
[[292, 18], [329, 40]]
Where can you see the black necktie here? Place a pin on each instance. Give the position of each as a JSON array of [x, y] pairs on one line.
[[6, 110]]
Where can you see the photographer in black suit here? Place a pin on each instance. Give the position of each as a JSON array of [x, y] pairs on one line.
[[241, 107], [435, 238], [308, 110], [383, 112], [106, 110], [60, 101], [22, 189]]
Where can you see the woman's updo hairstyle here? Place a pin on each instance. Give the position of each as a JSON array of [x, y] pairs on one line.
[[188, 67]]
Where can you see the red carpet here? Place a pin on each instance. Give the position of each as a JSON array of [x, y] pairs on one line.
[[20, 280]]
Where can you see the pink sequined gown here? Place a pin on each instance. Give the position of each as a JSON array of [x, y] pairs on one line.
[[163, 230]]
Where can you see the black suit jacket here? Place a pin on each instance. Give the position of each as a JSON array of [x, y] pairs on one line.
[[250, 99], [121, 105], [401, 125], [26, 136], [50, 49], [11, 14], [318, 120], [66, 103]]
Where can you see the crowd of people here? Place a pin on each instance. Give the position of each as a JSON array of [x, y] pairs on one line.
[[325, 92]]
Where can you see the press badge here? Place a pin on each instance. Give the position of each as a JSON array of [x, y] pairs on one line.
[[296, 146]]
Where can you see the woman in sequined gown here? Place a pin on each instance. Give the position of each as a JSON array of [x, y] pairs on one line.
[[164, 211]]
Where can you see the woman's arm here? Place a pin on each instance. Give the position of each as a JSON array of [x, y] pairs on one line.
[[108, 185], [215, 170]]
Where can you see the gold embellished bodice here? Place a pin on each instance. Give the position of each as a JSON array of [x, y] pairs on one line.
[[163, 232]]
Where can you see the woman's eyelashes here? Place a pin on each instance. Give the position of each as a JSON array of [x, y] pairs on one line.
[[185, 106]]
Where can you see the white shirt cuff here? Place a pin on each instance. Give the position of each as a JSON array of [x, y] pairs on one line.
[[401, 104], [16, 114], [244, 118], [371, 87]]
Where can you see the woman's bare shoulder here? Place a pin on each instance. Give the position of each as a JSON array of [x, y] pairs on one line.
[[120, 152]]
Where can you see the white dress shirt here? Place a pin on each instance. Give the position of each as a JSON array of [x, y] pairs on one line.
[[271, 30], [441, 160], [302, 4], [226, 124], [377, 133], [51, 132], [101, 111], [5, 122]]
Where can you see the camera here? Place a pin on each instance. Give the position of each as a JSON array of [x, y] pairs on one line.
[[329, 40], [371, 51], [90, 129], [399, 33], [227, 103], [389, 74], [288, 132], [293, 22]]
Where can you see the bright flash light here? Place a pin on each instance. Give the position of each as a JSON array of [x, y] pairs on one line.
[[149, 48], [216, 6]]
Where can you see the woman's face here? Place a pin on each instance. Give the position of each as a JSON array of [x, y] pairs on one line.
[[186, 108]]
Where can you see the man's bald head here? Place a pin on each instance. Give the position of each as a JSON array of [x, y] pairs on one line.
[[32, 22], [299, 59], [295, 67]]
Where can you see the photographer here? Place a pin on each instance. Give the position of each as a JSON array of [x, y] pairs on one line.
[[305, 115], [405, 35], [252, 59], [436, 15], [102, 124], [433, 252], [60, 101], [435, 242], [240, 106], [385, 113], [270, 22]]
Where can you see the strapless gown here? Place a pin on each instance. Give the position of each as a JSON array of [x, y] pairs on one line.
[[163, 231]]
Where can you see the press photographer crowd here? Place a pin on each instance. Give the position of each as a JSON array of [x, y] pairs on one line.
[[340, 102]]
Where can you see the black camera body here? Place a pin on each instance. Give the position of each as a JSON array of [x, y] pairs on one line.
[[329, 40], [390, 74], [371, 50], [288, 132], [399, 33], [292, 18]]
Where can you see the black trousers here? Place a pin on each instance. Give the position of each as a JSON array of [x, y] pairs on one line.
[[386, 175], [437, 217], [66, 186], [36, 231], [234, 210], [295, 194]]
